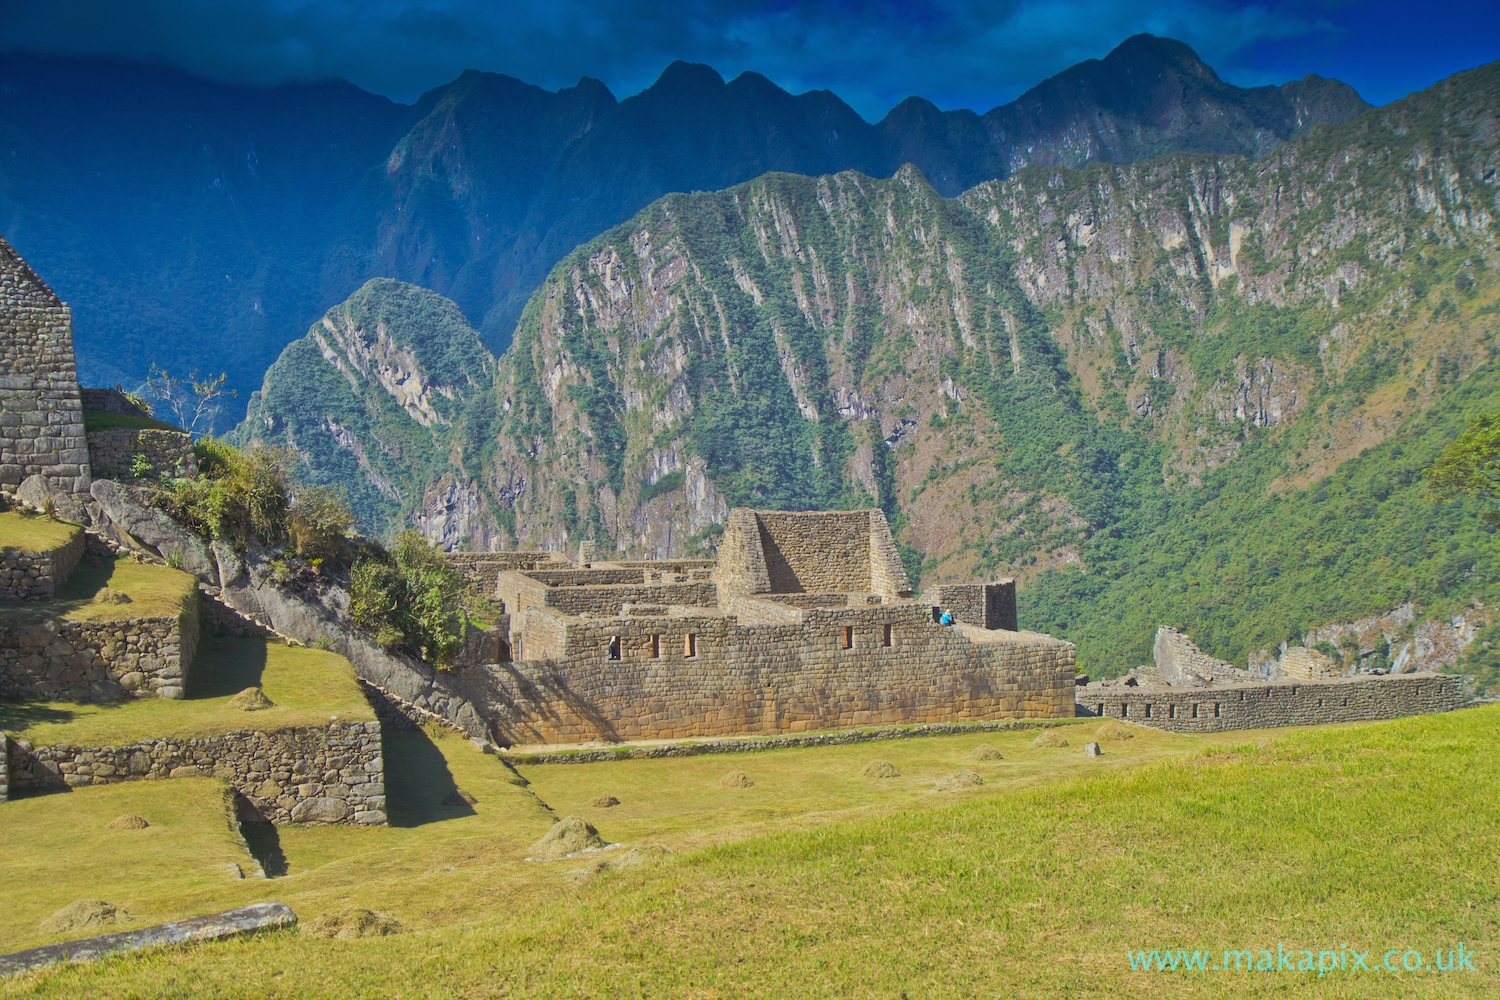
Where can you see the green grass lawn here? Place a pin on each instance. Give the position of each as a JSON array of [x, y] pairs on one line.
[[154, 592], [819, 882], [307, 685], [94, 420], [33, 532]]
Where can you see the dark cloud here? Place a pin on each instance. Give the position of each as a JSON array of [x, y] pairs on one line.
[[960, 53]]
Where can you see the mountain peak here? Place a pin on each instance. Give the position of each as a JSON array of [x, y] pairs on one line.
[[1149, 53], [682, 77]]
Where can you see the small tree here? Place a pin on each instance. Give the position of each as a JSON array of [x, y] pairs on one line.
[[1470, 467], [195, 402]]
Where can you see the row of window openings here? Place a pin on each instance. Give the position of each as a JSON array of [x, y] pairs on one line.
[[689, 646], [1172, 709], [690, 642]]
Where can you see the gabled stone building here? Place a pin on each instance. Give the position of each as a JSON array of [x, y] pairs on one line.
[[41, 412]]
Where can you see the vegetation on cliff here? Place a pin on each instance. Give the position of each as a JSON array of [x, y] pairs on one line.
[[1196, 390]]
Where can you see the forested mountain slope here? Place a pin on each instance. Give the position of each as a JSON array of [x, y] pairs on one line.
[[1195, 390], [195, 224]]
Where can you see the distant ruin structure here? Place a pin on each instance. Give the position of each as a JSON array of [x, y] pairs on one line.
[[805, 621], [1186, 690]]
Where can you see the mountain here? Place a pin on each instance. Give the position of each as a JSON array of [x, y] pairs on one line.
[[192, 224], [183, 221], [1195, 390]]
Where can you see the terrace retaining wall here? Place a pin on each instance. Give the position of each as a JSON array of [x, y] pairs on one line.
[[38, 575], [99, 661], [112, 452], [316, 775]]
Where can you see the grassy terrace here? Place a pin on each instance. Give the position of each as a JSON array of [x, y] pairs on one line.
[[154, 592], [33, 533], [307, 685], [94, 420], [819, 882]]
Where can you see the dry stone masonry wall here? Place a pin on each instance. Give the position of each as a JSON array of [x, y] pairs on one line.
[[98, 661], [987, 605], [706, 675], [41, 414], [1264, 706], [112, 453], [309, 775], [38, 575]]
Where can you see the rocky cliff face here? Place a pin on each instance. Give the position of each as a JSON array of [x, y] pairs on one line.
[[1197, 389], [389, 396], [193, 224]]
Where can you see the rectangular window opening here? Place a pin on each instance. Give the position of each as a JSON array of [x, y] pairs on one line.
[[848, 637], [656, 647], [1148, 710], [690, 645], [1195, 711], [614, 647], [885, 635], [1216, 710], [1171, 711], [1100, 713]]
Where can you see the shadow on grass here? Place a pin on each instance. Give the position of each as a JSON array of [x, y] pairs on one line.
[[226, 666], [16, 716], [265, 847], [419, 788]]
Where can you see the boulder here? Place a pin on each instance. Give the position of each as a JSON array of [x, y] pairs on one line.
[[1092, 750], [128, 509], [320, 810], [39, 493]]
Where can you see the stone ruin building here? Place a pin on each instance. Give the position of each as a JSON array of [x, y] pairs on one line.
[[41, 409], [805, 621]]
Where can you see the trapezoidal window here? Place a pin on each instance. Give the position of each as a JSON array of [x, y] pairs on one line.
[[885, 635], [690, 645], [656, 647], [614, 647], [848, 637]]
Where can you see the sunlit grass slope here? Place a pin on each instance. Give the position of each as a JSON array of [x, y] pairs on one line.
[[1035, 885]]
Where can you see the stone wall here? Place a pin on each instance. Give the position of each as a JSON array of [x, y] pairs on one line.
[[109, 401], [332, 774], [38, 575], [771, 678], [1179, 662], [1288, 703], [112, 452], [482, 569], [986, 605], [809, 552], [519, 591], [98, 660], [41, 414]]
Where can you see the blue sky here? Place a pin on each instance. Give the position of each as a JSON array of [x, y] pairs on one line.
[[873, 53]]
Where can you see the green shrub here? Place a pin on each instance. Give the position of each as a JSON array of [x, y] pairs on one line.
[[319, 523], [411, 598], [237, 494]]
